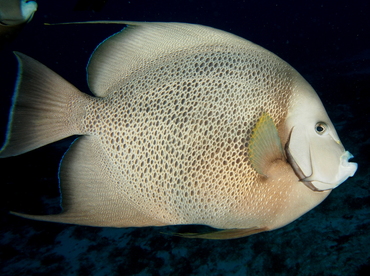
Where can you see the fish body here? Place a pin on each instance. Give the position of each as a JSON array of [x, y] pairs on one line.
[[189, 125]]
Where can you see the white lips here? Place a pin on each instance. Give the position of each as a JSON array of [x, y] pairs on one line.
[[347, 168]]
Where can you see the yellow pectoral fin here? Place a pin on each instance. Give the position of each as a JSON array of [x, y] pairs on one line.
[[223, 234], [265, 144]]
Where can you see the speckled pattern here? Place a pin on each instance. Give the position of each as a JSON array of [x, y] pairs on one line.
[[324, 41], [176, 130]]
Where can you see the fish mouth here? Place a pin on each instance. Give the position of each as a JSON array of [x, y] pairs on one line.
[[347, 169]]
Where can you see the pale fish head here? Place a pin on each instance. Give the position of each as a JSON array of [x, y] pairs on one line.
[[15, 12], [313, 148]]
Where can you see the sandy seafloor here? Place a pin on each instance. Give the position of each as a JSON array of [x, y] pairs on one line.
[[326, 41]]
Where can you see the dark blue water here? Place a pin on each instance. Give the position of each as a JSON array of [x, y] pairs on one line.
[[326, 41]]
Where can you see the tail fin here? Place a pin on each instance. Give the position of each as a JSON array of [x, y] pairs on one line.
[[46, 108]]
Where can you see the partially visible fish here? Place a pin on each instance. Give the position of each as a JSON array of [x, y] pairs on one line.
[[189, 125], [14, 14]]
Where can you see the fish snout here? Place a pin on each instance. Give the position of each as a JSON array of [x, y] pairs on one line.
[[346, 169]]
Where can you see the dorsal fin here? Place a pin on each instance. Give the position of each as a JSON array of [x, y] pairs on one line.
[[142, 42]]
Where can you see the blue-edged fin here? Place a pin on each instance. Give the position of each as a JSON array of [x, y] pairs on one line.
[[265, 144], [90, 194], [223, 234], [46, 108]]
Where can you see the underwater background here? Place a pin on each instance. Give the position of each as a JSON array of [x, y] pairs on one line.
[[328, 42]]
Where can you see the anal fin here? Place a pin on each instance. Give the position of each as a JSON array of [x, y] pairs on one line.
[[90, 196]]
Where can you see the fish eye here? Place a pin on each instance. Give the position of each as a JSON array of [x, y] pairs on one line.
[[320, 128]]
